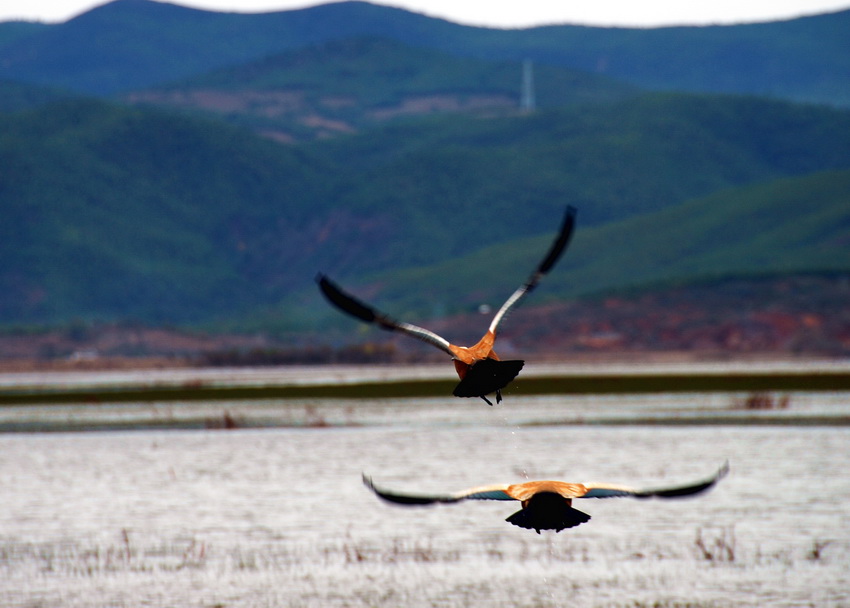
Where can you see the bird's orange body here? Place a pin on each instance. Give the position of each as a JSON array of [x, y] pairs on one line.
[[466, 356], [524, 491]]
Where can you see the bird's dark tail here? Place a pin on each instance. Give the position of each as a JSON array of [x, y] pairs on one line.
[[487, 376], [548, 511]]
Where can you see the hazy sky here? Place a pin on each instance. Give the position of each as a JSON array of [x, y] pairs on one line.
[[521, 13]]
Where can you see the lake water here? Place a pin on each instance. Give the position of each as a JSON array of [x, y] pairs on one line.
[[279, 516]]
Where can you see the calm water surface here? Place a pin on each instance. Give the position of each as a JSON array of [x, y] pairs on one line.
[[279, 517]]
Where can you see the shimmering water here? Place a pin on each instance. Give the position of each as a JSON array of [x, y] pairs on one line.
[[279, 517]]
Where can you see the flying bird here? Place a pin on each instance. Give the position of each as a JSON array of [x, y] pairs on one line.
[[479, 368], [547, 505]]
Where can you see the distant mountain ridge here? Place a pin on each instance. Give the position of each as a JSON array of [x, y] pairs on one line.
[[130, 44], [133, 44]]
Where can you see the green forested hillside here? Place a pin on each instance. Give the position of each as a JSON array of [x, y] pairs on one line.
[[779, 227], [382, 71], [116, 213], [16, 96], [482, 181], [349, 85], [111, 212], [12, 31]]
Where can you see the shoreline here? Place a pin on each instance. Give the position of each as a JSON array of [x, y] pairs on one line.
[[406, 381]]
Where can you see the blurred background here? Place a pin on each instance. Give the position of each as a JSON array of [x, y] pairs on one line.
[[172, 180]]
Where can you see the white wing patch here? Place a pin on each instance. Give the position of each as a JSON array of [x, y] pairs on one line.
[[495, 492], [510, 303], [425, 335], [607, 491]]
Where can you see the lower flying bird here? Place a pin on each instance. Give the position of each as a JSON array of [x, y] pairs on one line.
[[479, 368], [547, 505]]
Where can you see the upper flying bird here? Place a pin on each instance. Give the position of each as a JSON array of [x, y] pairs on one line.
[[479, 368], [547, 505]]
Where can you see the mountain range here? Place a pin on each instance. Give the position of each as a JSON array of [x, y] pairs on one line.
[[175, 166], [131, 44]]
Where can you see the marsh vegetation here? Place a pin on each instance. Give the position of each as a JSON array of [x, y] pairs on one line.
[[273, 517]]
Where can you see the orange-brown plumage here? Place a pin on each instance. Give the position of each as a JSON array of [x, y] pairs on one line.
[[524, 491], [483, 349]]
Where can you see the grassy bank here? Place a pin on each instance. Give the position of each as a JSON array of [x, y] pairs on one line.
[[566, 383]]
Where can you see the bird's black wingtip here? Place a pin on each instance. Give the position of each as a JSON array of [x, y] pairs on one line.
[[561, 243], [690, 490], [570, 217], [348, 303]]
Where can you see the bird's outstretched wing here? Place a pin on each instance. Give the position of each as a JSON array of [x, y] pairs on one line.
[[495, 492], [351, 305], [610, 491], [545, 266]]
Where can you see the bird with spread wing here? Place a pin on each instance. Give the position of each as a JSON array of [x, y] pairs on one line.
[[480, 370], [547, 505]]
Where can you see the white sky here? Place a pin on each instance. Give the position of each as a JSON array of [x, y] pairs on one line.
[[522, 13]]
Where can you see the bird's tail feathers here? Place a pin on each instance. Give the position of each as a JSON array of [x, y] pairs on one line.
[[558, 519], [487, 376]]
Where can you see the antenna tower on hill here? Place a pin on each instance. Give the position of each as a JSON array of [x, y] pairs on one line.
[[527, 102]]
